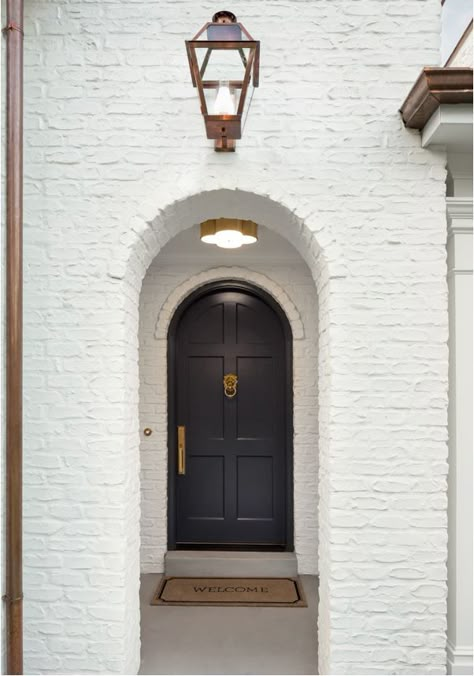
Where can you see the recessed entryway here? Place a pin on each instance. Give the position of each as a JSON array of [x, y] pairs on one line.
[[179, 275], [271, 266]]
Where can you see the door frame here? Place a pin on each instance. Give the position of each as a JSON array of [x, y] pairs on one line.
[[212, 287]]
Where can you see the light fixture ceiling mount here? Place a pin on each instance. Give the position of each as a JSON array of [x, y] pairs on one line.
[[228, 233]]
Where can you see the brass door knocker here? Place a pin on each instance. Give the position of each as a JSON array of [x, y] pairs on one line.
[[230, 385]]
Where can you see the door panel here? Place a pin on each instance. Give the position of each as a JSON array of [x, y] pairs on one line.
[[204, 394], [237, 488], [255, 324], [256, 384], [204, 496], [254, 487], [208, 327]]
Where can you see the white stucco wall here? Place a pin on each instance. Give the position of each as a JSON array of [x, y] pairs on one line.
[[116, 164], [168, 281]]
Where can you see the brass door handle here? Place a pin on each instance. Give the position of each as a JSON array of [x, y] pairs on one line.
[[181, 449]]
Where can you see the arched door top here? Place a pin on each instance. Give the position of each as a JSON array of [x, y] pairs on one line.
[[230, 421], [255, 280]]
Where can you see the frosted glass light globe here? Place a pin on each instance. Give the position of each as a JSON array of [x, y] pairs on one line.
[[228, 239], [224, 103]]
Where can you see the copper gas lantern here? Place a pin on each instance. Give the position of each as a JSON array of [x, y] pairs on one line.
[[224, 63]]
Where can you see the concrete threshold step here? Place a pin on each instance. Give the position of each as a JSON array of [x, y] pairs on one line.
[[187, 563]]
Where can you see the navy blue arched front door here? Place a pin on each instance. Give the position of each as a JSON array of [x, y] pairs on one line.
[[230, 464]]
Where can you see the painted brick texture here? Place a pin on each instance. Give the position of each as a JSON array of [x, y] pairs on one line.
[[116, 164]]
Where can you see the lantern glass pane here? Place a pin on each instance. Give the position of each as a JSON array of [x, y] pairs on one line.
[[222, 99], [248, 101], [222, 64]]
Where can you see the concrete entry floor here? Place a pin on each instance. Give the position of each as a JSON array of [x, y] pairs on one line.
[[207, 640]]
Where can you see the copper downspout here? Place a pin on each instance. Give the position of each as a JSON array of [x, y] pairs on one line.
[[14, 329]]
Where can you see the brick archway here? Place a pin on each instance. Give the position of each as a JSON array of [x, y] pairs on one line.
[[157, 308], [128, 267]]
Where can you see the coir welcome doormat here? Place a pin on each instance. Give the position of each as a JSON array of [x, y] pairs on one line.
[[284, 592]]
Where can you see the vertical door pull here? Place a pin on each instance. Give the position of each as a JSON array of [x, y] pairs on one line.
[[181, 449]]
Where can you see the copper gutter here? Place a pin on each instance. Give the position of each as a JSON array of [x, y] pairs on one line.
[[14, 331], [433, 87]]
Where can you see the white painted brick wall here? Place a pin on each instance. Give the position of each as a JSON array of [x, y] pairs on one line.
[[116, 163], [166, 284]]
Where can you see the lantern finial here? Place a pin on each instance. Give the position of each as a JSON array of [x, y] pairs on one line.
[[224, 17]]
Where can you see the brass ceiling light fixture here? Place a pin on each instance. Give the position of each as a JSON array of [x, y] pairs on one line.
[[228, 233], [224, 63]]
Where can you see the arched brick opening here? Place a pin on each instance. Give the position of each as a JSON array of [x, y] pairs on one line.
[[234, 273], [157, 308], [128, 267]]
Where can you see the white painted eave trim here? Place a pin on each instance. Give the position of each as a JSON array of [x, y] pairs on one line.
[[449, 126]]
